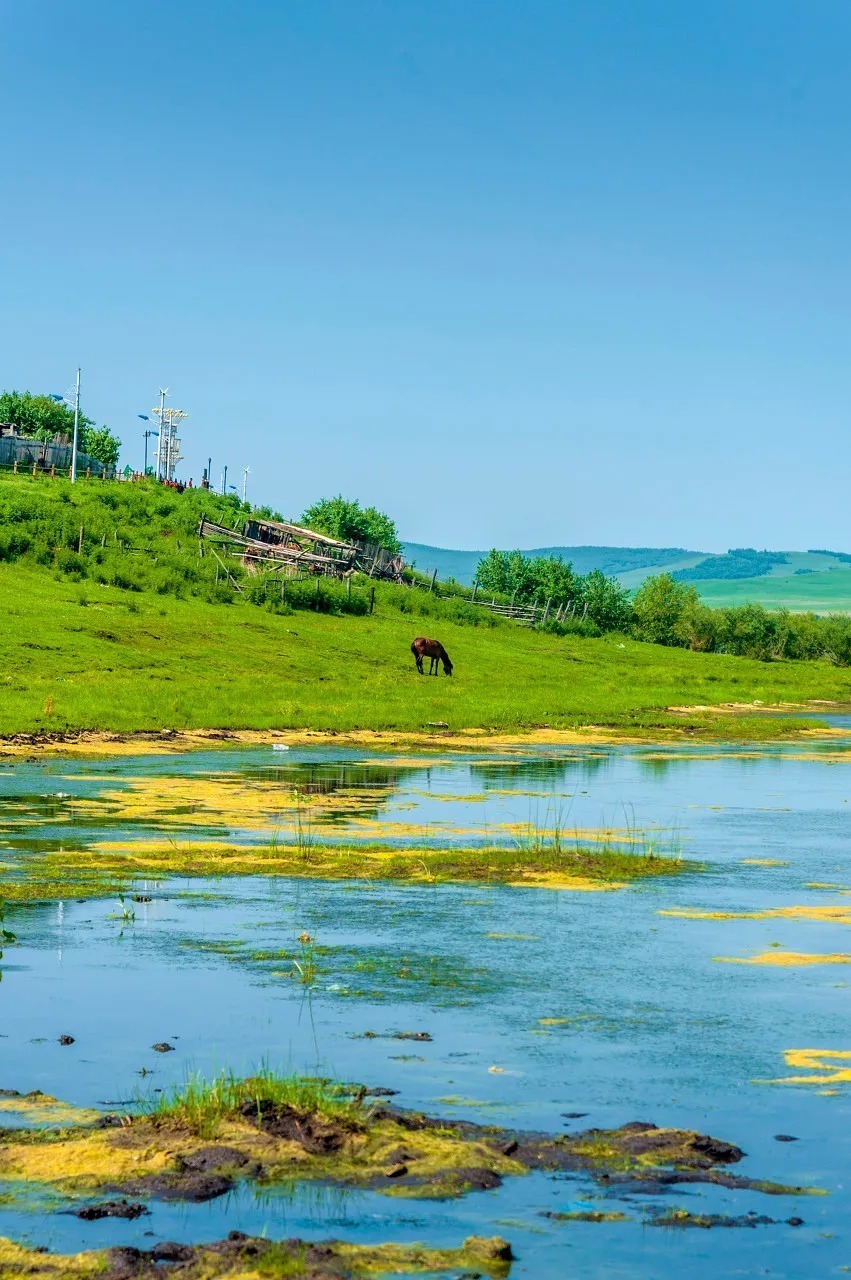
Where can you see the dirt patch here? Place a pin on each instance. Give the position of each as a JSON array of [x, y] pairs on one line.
[[315, 1134]]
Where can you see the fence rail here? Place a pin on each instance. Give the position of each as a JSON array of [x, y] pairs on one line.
[[17, 453]]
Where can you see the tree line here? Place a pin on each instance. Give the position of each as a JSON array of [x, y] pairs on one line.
[[40, 417], [664, 611]]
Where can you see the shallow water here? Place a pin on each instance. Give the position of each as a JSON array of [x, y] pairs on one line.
[[538, 1002]]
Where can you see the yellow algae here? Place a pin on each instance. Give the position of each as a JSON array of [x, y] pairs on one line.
[[763, 862], [817, 884], [786, 958], [829, 1066], [553, 1022], [830, 914], [43, 1109], [513, 937], [561, 880]]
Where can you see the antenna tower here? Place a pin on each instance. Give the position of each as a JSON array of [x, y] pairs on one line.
[[168, 450]]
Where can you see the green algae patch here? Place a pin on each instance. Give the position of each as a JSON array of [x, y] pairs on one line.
[[109, 867], [242, 1257]]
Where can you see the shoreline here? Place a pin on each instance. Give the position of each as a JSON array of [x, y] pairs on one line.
[[168, 741]]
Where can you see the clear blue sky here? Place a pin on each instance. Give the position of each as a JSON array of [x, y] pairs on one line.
[[520, 273]]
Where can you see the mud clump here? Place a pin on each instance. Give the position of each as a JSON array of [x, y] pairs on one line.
[[317, 1135], [642, 1139], [163, 1047], [198, 1176], [127, 1209]]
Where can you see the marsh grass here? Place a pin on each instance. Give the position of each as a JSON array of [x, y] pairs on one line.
[[203, 1104], [305, 968], [550, 847]]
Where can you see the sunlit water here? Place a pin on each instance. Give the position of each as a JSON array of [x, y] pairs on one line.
[[650, 1026]]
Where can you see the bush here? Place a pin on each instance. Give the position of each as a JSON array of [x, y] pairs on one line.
[[658, 606]]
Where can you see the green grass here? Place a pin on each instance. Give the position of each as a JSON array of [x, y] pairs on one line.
[[95, 657], [201, 1104], [823, 591]]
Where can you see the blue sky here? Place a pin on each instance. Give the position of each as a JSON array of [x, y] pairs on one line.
[[519, 273]]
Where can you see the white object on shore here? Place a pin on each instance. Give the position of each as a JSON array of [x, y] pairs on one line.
[[280, 746]]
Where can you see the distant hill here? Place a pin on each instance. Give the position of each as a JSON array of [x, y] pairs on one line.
[[817, 580], [621, 562]]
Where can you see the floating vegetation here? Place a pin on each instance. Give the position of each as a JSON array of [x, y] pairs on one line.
[[786, 958], [825, 1067], [106, 869], [829, 914]]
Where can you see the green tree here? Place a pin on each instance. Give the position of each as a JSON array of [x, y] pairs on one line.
[[43, 418], [99, 443], [492, 572], [608, 602], [346, 519], [659, 605], [39, 417]]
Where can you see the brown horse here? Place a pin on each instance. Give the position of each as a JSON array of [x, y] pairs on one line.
[[433, 649]]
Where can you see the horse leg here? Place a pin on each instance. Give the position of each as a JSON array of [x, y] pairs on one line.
[[433, 668], [418, 658]]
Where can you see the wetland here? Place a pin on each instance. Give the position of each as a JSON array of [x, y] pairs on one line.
[[499, 1011]]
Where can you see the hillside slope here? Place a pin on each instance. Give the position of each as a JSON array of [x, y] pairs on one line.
[[99, 657]]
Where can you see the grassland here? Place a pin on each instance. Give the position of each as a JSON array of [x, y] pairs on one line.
[[95, 657], [821, 591]]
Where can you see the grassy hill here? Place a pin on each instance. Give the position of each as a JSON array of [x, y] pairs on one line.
[[108, 658], [126, 628]]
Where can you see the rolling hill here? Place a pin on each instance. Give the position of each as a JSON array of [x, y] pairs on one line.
[[817, 580]]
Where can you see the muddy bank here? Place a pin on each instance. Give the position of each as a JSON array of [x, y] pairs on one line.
[[166, 741], [251, 1256], [198, 1151]]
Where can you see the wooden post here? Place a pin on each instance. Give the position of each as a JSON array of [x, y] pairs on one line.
[[371, 599], [15, 467], [547, 609], [80, 542], [475, 589], [88, 473], [34, 467], [53, 471], [433, 577]]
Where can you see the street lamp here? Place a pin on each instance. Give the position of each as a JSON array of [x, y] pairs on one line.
[[150, 432], [75, 405]]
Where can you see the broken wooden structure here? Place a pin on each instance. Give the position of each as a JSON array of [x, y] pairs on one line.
[[293, 550]]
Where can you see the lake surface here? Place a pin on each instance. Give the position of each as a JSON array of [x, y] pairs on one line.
[[538, 1002]]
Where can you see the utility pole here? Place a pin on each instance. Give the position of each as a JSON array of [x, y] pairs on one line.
[[224, 481], [163, 432], [245, 473], [76, 429]]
